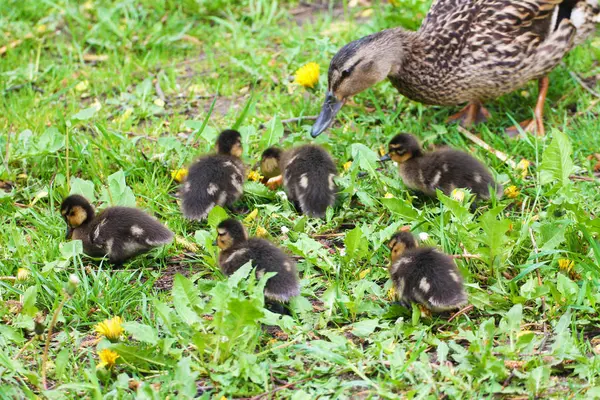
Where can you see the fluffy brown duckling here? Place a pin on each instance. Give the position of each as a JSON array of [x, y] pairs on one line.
[[216, 179], [117, 232], [445, 169], [307, 174], [237, 249], [424, 275]]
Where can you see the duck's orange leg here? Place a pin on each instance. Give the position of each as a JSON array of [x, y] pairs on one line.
[[535, 125], [275, 182], [473, 113]]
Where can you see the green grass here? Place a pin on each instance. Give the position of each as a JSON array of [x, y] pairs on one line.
[[81, 110]]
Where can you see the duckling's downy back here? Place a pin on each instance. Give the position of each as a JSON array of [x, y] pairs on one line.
[[308, 173], [426, 276], [215, 179], [265, 257], [447, 169], [121, 233]]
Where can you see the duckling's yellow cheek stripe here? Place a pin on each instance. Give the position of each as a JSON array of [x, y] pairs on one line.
[[79, 216]]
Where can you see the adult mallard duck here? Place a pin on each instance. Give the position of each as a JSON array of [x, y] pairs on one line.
[[466, 51]]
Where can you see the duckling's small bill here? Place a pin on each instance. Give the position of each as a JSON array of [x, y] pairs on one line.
[[330, 108]]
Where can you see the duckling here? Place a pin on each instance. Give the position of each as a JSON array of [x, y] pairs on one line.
[[445, 169], [237, 250], [308, 173], [424, 275], [216, 179], [466, 51], [117, 232]]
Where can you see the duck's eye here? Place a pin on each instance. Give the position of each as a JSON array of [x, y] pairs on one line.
[[346, 72]]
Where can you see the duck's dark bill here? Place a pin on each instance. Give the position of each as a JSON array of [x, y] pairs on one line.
[[385, 158], [69, 232], [328, 111]]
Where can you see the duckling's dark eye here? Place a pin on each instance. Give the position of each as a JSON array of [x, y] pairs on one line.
[[346, 72]]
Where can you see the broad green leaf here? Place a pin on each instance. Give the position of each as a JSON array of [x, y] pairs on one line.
[[272, 134], [85, 114], [216, 216], [141, 332], [442, 352], [367, 158], [552, 234], [140, 357], [567, 287], [357, 245], [258, 189], [400, 207], [61, 362], [11, 334], [117, 193], [365, 328], [241, 273], [557, 164], [185, 378], [184, 298], [29, 298], [83, 187], [71, 249], [459, 210], [514, 317], [164, 312], [538, 380], [50, 141]]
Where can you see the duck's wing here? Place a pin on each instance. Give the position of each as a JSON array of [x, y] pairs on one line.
[[451, 17]]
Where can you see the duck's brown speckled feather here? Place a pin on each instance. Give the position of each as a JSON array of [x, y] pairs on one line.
[[474, 50]]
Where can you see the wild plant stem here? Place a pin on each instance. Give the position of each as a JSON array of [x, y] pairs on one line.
[[49, 337]]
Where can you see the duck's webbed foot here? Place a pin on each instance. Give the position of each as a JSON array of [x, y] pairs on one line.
[[534, 126], [473, 113], [275, 182]]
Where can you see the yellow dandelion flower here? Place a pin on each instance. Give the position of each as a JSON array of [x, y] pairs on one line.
[[308, 75], [252, 216], [347, 166], [110, 328], [179, 175], [159, 102], [388, 196], [82, 86], [124, 117], [255, 176], [23, 274], [382, 151], [391, 294], [458, 195], [364, 273], [523, 166], [511, 192], [108, 359], [261, 232], [565, 264]]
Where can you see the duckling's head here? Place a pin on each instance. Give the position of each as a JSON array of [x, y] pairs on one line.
[[400, 242], [402, 148], [356, 67], [229, 233], [230, 142], [77, 211], [269, 162]]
